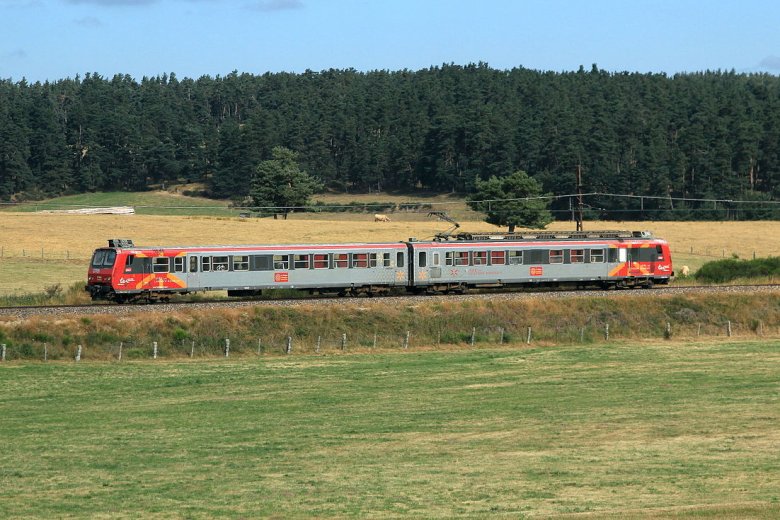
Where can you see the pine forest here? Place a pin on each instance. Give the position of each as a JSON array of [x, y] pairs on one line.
[[681, 141]]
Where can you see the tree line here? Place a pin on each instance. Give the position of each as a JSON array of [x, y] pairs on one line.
[[707, 135]]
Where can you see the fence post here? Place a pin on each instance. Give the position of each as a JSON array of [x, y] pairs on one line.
[[45, 352], [344, 341], [78, 354], [288, 350], [473, 334], [668, 331], [120, 350], [227, 347], [192, 349], [698, 331], [760, 328], [528, 336], [374, 339], [501, 339], [259, 346], [317, 348], [438, 338], [154, 350], [606, 331], [406, 340], [728, 328], [3, 353]]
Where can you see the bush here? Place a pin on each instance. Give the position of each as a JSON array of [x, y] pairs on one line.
[[730, 269]]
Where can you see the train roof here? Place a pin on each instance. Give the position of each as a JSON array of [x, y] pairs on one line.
[[463, 237], [546, 235], [129, 244]]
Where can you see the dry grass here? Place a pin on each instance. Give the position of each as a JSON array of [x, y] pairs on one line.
[[55, 237]]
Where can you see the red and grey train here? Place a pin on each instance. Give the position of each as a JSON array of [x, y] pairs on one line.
[[124, 272]]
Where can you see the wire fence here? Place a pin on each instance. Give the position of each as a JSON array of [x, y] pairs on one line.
[[341, 342], [43, 253]]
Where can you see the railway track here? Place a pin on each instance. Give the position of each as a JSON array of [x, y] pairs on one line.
[[24, 312]]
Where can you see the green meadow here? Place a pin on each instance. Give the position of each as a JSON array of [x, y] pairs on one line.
[[684, 430]]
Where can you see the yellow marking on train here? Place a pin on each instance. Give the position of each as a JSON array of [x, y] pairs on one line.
[[617, 269], [175, 279]]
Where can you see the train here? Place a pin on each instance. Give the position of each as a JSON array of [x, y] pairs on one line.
[[124, 273]]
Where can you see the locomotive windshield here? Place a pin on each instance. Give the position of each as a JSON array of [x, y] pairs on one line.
[[103, 258]]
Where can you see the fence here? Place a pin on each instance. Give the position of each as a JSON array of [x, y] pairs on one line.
[[333, 342], [43, 254]]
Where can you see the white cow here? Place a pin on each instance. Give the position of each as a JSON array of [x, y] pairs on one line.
[[685, 270], [381, 218]]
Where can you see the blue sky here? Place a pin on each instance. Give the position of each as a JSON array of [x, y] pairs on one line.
[[54, 39]]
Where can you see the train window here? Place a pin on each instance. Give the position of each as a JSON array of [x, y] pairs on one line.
[[281, 261], [436, 258], [261, 262], [161, 264], [515, 257], [497, 257], [206, 263], [577, 256], [556, 256], [612, 255], [479, 258], [360, 260], [97, 258], [129, 260], [456, 258], [422, 259], [320, 261], [387, 260], [596, 256], [534, 257], [241, 263], [193, 264], [301, 261], [340, 260], [399, 259], [103, 258], [659, 253], [372, 259], [219, 263], [178, 264]]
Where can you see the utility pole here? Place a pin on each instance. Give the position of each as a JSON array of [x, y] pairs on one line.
[[579, 197]]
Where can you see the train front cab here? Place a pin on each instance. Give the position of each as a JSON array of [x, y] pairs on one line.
[[100, 274], [640, 264]]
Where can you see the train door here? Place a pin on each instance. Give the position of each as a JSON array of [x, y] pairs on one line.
[[632, 261], [423, 273], [193, 271], [435, 264]]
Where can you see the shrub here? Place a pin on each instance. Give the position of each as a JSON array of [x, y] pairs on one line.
[[730, 269]]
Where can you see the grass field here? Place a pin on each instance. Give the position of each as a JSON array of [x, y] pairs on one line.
[[620, 430], [27, 237]]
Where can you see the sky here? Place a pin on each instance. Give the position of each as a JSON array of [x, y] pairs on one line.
[[44, 40]]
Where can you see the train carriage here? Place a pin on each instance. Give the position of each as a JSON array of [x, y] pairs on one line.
[[124, 272], [601, 258]]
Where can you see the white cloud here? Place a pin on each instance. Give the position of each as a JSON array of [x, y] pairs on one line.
[[88, 21], [275, 5], [770, 62]]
